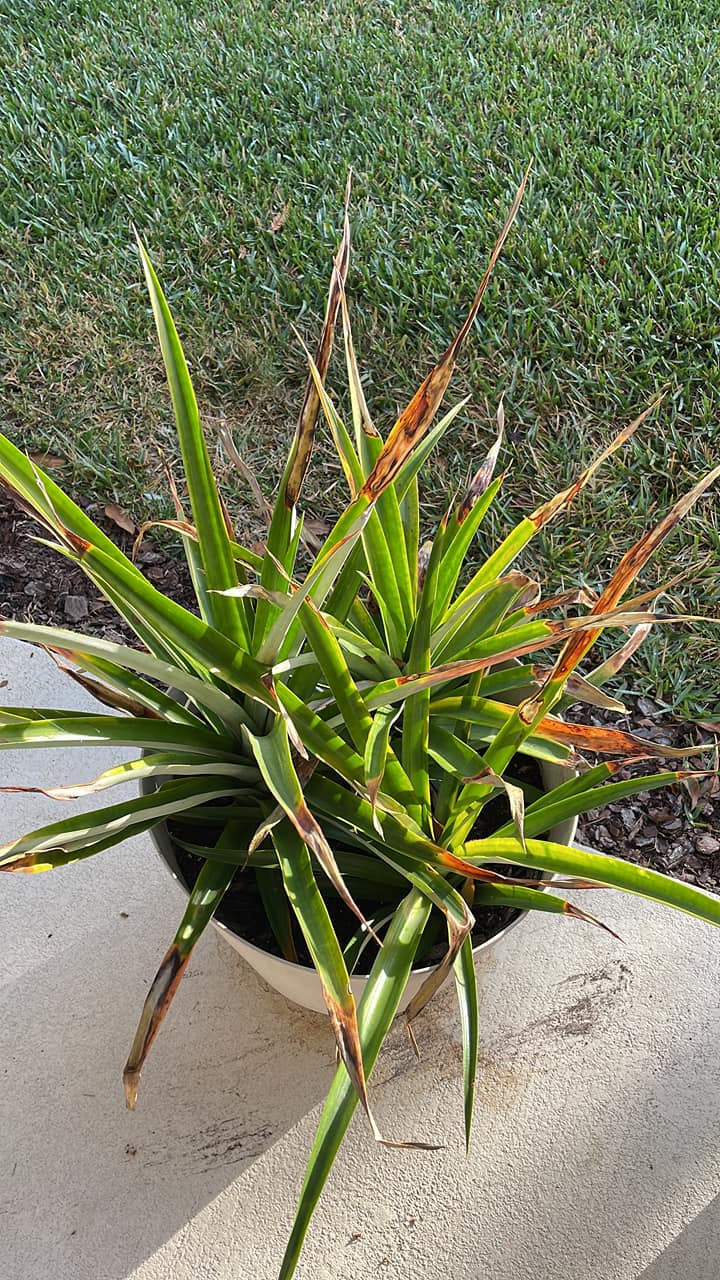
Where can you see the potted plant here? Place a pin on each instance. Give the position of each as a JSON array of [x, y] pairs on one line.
[[334, 734]]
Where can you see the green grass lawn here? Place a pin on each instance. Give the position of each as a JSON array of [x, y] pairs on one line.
[[200, 122]]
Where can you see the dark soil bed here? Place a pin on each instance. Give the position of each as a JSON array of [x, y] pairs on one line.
[[675, 829]]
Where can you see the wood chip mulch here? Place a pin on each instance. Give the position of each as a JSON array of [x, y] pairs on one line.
[[673, 829]]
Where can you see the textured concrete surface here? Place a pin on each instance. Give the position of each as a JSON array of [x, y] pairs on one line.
[[597, 1133]]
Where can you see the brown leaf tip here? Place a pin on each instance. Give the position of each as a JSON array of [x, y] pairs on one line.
[[131, 1085]]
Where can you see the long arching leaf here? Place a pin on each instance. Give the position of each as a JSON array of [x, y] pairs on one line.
[[227, 614]]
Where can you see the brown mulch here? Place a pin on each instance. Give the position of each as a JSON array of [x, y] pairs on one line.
[[674, 829], [39, 585]]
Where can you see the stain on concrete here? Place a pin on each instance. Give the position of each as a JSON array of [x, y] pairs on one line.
[[590, 997], [228, 1142]]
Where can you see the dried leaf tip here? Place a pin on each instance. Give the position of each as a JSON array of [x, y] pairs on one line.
[[484, 473], [543, 514]]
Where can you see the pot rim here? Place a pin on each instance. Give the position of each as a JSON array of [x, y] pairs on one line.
[[166, 851]]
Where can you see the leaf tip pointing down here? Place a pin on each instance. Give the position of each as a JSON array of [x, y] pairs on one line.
[[156, 1006]]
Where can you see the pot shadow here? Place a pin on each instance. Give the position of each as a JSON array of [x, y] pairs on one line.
[[90, 1190]]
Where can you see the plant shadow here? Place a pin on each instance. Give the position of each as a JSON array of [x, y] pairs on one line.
[[91, 1189]]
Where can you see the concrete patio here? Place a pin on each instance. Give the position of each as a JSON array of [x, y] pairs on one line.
[[596, 1152]]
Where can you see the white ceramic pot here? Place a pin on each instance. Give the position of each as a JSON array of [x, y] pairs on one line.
[[301, 984]]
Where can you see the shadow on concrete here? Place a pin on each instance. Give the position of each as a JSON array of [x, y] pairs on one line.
[[90, 1190], [695, 1253]]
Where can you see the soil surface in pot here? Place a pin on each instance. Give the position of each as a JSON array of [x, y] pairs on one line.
[[242, 909]]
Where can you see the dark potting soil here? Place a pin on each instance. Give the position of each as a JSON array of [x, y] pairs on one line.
[[243, 912]]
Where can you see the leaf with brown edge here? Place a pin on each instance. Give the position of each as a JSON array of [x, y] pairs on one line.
[[377, 1009], [419, 413], [580, 689], [178, 526], [212, 883], [227, 518], [164, 986], [605, 741], [305, 430], [605, 869], [654, 593], [76, 838], [113, 698], [632, 562], [437, 977], [458, 915], [562, 501], [159, 765], [347, 456], [484, 473], [505, 648], [272, 752], [460, 921], [528, 587], [311, 833], [578, 595], [525, 899], [577, 913], [347, 1039], [401, 844], [312, 916], [515, 797]]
